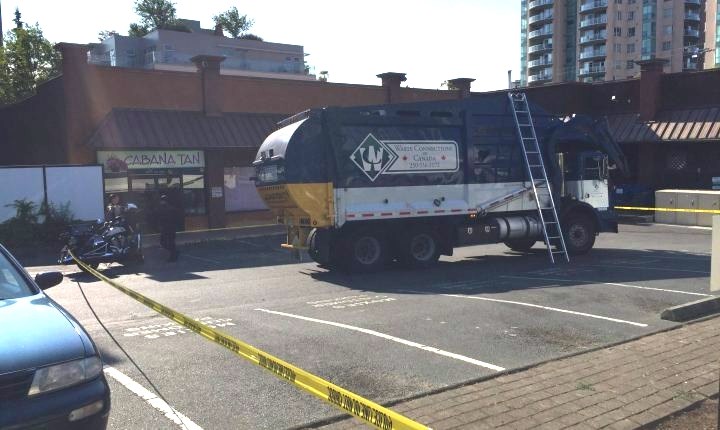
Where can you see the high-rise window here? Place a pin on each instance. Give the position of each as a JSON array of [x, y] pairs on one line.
[[631, 15], [667, 46], [617, 48], [630, 64], [618, 16], [617, 31], [630, 48], [631, 32]]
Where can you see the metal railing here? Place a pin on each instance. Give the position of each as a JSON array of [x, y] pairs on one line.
[[540, 17], [692, 32], [540, 47], [592, 70], [692, 16], [153, 58], [545, 76], [546, 31], [593, 37], [540, 62], [538, 3], [593, 53], [596, 4], [593, 21]]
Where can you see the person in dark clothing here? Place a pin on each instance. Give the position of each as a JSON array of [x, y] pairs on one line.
[[167, 217], [114, 208]]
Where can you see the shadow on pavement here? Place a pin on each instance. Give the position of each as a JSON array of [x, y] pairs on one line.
[[488, 274]]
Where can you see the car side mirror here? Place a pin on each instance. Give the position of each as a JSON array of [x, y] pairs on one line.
[[48, 279]]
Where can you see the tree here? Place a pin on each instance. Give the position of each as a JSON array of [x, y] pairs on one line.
[[153, 14], [233, 23], [27, 59], [102, 35]]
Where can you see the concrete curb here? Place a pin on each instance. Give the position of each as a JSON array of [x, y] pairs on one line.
[[692, 310]]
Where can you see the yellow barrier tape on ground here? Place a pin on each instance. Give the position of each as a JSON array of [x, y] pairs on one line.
[[369, 412], [698, 211]]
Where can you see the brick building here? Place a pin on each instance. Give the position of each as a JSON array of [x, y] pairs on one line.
[[196, 133]]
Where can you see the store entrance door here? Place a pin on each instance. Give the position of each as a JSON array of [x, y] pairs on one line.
[[146, 189]]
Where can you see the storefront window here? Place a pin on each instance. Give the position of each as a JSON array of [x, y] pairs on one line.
[[240, 192], [141, 177], [193, 187]]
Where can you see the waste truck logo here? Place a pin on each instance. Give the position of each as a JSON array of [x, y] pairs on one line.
[[373, 157]]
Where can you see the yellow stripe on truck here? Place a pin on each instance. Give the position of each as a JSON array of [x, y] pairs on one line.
[[309, 205], [369, 412]]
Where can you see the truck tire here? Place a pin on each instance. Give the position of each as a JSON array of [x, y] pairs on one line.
[[579, 234], [324, 258], [419, 248], [364, 251], [520, 245]]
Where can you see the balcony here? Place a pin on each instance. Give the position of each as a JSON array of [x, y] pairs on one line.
[[540, 62], [694, 2], [543, 32], [539, 3], [544, 76], [592, 5], [691, 32], [540, 48], [593, 53], [544, 16], [692, 16], [599, 20], [595, 37], [593, 70]]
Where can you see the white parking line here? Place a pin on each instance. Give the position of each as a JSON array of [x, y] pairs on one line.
[[547, 308], [152, 399], [615, 284], [615, 266], [392, 338]]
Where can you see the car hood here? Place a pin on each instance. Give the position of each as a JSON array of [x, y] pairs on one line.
[[34, 332]]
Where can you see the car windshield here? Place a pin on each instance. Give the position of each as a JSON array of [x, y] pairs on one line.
[[12, 284]]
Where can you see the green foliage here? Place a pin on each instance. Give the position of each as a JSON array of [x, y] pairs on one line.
[[235, 24], [153, 14], [102, 35], [26, 229], [250, 36], [27, 59]]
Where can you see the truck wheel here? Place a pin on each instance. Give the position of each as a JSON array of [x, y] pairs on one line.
[[419, 248], [365, 252], [323, 259], [579, 233], [520, 245]]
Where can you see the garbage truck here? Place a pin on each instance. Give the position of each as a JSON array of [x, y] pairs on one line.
[[361, 187]]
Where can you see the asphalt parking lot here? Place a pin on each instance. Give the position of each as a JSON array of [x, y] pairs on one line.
[[384, 336]]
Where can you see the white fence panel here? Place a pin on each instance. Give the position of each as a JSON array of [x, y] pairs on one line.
[[82, 186], [17, 183]]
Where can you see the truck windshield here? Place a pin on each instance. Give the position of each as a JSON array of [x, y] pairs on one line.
[[12, 284], [270, 173]]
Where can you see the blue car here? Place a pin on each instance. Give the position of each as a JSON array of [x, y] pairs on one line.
[[51, 374]]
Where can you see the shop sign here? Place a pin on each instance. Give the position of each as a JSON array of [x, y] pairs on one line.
[[121, 161], [387, 157]]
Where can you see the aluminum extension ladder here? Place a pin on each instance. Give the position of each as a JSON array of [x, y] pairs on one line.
[[551, 228]]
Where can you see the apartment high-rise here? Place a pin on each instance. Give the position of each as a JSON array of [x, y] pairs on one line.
[[596, 40]]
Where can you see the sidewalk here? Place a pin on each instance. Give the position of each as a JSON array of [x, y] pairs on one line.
[[627, 386]]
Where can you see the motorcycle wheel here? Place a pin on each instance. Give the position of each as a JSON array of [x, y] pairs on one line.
[[94, 266]]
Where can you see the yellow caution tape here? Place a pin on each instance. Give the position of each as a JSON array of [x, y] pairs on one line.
[[697, 211], [369, 412]]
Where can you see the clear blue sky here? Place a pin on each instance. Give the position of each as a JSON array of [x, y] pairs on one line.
[[430, 40]]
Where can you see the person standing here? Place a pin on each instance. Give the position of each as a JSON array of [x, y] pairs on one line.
[[167, 217], [115, 208]]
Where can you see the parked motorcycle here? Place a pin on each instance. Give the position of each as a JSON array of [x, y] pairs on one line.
[[112, 241]]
